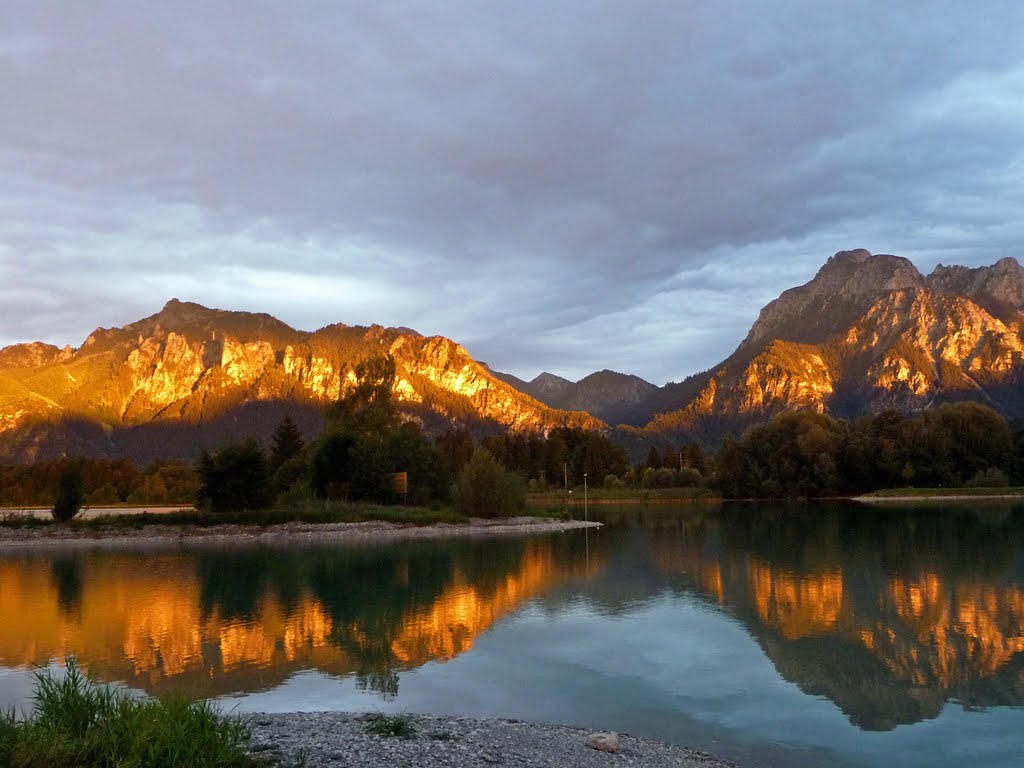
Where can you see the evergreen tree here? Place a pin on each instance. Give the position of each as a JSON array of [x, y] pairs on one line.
[[286, 443]]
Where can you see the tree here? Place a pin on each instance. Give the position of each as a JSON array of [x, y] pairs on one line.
[[368, 407], [286, 443], [330, 465], [653, 459], [486, 489], [234, 478], [69, 494], [457, 448]]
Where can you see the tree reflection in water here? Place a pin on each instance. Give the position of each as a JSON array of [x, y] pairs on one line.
[[890, 613]]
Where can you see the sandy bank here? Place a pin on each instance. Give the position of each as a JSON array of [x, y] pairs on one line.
[[285, 533], [328, 739]]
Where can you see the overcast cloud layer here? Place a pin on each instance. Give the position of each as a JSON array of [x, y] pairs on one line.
[[564, 186]]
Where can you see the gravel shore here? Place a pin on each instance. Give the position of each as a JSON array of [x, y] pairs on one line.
[[284, 534], [334, 740]]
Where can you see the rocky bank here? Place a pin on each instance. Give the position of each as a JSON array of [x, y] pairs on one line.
[[333, 740]]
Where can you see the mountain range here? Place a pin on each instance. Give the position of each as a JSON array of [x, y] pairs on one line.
[[191, 377], [867, 333]]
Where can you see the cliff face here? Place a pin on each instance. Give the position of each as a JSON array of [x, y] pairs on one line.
[[190, 366], [870, 333]]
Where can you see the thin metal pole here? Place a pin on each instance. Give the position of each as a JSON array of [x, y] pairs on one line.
[[586, 517]]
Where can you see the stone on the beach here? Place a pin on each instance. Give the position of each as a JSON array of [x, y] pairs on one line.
[[604, 741]]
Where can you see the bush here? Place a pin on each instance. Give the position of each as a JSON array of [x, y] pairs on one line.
[[486, 489], [70, 495], [664, 477], [989, 478], [611, 481], [293, 473], [688, 477]]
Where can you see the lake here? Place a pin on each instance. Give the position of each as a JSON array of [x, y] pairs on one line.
[[814, 635]]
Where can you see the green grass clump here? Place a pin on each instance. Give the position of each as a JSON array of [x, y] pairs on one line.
[[401, 726], [76, 724]]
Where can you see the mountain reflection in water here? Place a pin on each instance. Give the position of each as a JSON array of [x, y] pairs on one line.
[[217, 622], [888, 613]]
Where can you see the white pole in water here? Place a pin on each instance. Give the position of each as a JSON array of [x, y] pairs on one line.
[[586, 518]]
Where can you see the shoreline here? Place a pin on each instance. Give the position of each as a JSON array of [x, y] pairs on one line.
[[869, 499], [328, 739], [157, 535]]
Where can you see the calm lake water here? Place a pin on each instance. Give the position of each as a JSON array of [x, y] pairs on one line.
[[810, 636]]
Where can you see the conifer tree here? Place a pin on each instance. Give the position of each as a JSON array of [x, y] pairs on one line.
[[286, 443]]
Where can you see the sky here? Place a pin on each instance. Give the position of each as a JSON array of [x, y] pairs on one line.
[[564, 186]]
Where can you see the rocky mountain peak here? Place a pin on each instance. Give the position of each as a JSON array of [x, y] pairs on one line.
[[1001, 283], [32, 354], [842, 290], [858, 272]]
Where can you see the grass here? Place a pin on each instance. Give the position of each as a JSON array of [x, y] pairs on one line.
[[401, 726], [77, 724], [22, 520], [310, 511], [931, 493]]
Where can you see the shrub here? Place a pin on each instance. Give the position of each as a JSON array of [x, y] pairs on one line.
[[688, 477], [486, 489], [989, 478], [611, 481], [70, 494], [664, 477]]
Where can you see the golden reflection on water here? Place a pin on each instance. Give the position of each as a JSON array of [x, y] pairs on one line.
[[966, 625], [140, 619], [932, 635]]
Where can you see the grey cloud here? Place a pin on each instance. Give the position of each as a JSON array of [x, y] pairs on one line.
[[547, 172]]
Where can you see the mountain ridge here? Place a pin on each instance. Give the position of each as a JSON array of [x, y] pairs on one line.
[[192, 366], [868, 333]]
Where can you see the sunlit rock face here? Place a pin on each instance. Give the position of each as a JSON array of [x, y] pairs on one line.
[[870, 333], [189, 364]]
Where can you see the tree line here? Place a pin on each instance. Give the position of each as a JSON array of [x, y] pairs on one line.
[[805, 454], [104, 482], [368, 452]]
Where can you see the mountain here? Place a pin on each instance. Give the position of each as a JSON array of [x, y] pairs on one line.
[[190, 376], [612, 397], [870, 332]]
